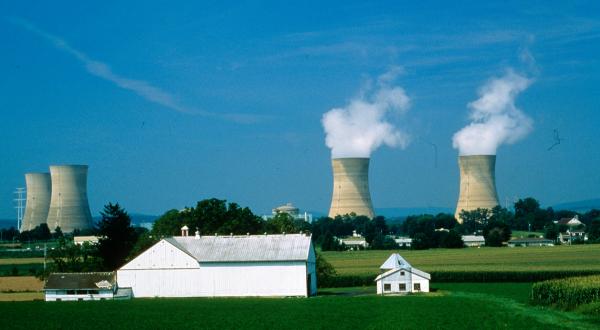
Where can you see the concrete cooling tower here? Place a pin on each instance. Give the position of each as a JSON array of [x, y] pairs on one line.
[[351, 187], [37, 203], [477, 183], [69, 208]]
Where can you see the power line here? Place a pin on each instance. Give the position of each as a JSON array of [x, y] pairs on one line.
[[20, 201]]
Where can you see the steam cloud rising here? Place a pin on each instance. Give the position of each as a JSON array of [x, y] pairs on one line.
[[495, 118], [362, 126]]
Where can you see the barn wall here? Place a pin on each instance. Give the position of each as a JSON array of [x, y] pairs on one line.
[[218, 280], [311, 266], [53, 295], [395, 279], [160, 256]]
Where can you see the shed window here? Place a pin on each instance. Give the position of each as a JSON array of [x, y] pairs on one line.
[[417, 286], [401, 273], [70, 291], [387, 287], [402, 286]]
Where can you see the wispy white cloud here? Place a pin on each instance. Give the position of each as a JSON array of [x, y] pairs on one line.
[[142, 88]]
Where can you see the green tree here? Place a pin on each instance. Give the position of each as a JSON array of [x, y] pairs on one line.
[[331, 243], [281, 223], [325, 271], [117, 236], [593, 231], [452, 240], [383, 242], [495, 233], [474, 220], [420, 242], [210, 216], [551, 231]]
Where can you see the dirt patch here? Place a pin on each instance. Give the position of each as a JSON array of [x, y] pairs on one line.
[[20, 284]]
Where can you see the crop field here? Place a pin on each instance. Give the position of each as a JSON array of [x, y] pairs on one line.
[[452, 306], [20, 283], [556, 258], [20, 261]]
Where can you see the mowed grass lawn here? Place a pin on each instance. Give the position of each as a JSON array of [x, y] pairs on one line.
[[558, 258], [453, 306]]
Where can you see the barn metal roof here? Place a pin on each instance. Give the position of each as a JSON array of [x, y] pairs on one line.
[[81, 281], [395, 261], [286, 247], [408, 269]]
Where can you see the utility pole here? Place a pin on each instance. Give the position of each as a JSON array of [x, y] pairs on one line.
[[20, 201]]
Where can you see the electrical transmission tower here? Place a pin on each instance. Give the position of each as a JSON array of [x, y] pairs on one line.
[[20, 205]]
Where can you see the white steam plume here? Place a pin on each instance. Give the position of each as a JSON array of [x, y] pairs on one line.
[[362, 126], [495, 118]]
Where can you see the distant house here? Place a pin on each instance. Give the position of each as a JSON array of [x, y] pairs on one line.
[[571, 222], [399, 277], [83, 286], [223, 266], [403, 241], [473, 240], [530, 241], [571, 236], [80, 240], [354, 242]]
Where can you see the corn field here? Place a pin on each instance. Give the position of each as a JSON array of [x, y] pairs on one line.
[[567, 293]]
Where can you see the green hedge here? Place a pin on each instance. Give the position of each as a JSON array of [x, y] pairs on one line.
[[567, 293], [341, 281]]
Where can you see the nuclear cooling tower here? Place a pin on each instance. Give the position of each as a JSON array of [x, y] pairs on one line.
[[39, 189], [69, 208], [477, 183], [351, 187]]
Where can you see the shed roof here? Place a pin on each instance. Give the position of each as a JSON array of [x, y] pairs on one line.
[[80, 281], [412, 270], [530, 240], [288, 247], [395, 261], [473, 238]]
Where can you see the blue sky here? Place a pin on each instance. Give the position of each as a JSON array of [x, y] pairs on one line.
[[170, 103]]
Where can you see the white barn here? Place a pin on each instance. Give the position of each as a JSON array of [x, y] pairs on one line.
[[399, 277], [224, 266]]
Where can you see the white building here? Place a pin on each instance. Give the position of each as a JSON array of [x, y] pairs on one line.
[[354, 242], [403, 241], [473, 240], [80, 286], [224, 266], [399, 277], [290, 210], [80, 240]]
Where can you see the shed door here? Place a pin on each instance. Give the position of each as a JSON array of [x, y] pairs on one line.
[[308, 285]]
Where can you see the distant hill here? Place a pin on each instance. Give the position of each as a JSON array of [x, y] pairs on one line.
[[579, 206], [403, 212]]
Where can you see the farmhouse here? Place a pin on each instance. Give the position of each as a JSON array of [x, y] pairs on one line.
[[473, 240], [399, 277], [223, 266], [80, 286], [531, 241]]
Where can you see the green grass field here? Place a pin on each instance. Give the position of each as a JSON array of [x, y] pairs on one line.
[[452, 306], [563, 258]]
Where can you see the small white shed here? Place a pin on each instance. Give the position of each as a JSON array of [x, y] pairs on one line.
[[224, 266], [399, 277], [80, 286]]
